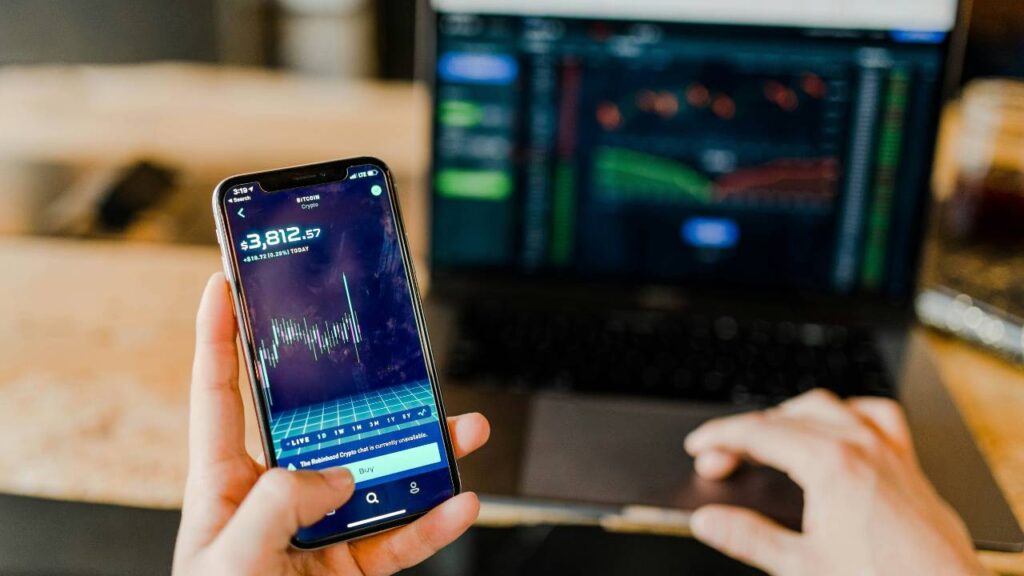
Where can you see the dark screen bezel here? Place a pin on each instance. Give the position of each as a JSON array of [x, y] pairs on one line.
[[282, 180], [871, 309]]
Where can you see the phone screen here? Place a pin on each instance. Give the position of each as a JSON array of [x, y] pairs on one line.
[[336, 345]]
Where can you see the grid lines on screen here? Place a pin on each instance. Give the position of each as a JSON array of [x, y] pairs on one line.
[[355, 408]]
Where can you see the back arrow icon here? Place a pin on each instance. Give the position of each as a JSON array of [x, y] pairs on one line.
[[241, 212]]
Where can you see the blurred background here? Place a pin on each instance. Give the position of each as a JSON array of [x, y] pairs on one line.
[[106, 109], [339, 38], [118, 118], [89, 88], [92, 98]]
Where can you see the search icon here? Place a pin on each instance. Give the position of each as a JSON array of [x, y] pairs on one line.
[[371, 498]]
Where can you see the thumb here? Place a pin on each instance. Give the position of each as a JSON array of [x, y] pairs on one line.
[[748, 537], [279, 504]]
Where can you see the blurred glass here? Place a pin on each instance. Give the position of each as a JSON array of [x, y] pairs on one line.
[[987, 204]]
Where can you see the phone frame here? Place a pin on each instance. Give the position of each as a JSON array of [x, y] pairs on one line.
[[295, 177]]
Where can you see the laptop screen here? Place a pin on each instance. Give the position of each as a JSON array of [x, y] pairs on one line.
[[769, 146]]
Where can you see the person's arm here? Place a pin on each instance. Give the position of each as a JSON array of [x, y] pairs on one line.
[[868, 508], [238, 518]]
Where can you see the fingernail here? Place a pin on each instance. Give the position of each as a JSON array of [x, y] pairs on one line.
[[339, 478]]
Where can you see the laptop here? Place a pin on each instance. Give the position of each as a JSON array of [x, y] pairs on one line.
[[646, 214]]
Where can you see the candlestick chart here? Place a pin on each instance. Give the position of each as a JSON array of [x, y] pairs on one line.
[[320, 338]]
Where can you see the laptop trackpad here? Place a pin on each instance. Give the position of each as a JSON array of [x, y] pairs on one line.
[[618, 451]]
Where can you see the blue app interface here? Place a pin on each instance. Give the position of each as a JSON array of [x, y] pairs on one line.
[[336, 344]]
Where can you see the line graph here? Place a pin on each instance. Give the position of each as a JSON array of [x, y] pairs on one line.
[[627, 175], [726, 133], [319, 338], [622, 175], [784, 179]]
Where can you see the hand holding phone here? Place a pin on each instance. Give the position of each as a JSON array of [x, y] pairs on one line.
[[334, 340], [230, 526]]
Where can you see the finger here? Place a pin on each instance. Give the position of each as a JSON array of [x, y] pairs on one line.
[[819, 406], [216, 418], [280, 503], [715, 464], [217, 457], [777, 442], [468, 432], [887, 418], [829, 416], [393, 551], [748, 537]]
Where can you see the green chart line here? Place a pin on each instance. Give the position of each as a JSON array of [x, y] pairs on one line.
[[622, 175]]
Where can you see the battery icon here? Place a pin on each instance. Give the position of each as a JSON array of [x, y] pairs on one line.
[[371, 172]]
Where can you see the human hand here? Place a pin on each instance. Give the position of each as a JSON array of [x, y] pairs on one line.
[[868, 508], [238, 517]]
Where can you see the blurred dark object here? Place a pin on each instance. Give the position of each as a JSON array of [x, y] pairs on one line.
[[995, 40], [244, 32], [141, 186], [109, 200], [43, 536], [114, 31], [396, 31], [107, 31], [990, 206], [575, 551], [247, 32], [987, 204]]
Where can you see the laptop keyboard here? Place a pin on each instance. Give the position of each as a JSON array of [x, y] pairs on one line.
[[716, 359]]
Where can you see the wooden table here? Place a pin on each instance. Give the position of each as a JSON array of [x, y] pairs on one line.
[[96, 337]]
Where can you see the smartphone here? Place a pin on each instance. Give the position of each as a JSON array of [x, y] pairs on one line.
[[334, 339]]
